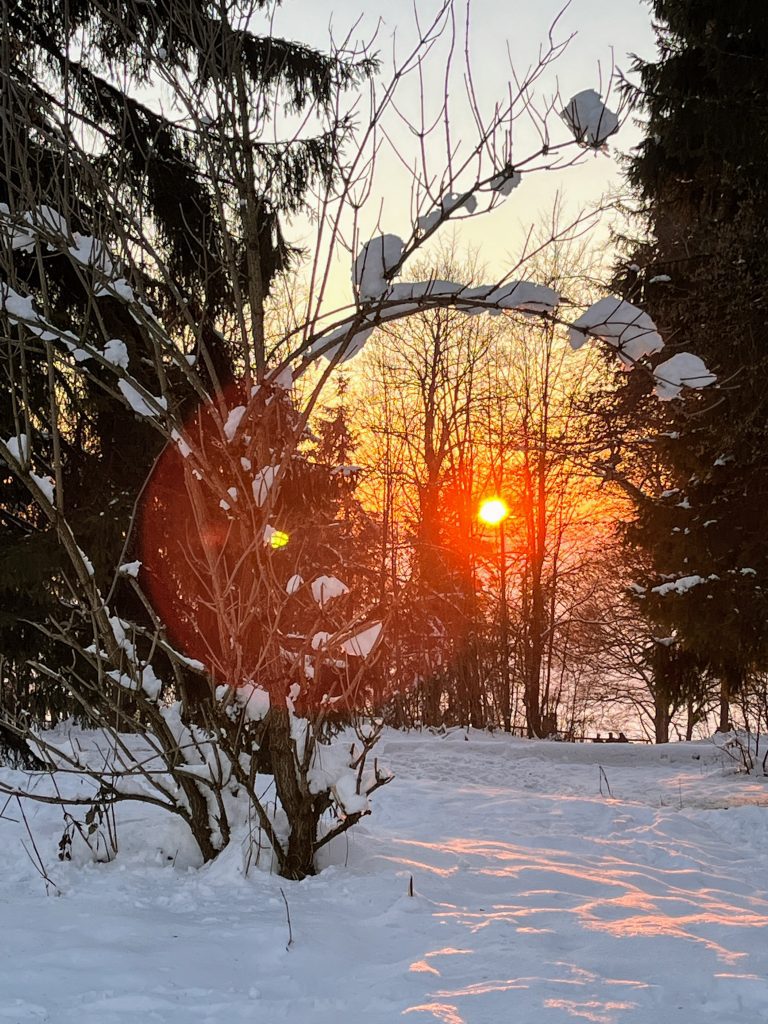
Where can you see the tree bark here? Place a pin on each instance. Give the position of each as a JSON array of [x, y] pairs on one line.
[[297, 861]]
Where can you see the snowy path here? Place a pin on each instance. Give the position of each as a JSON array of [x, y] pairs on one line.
[[536, 899]]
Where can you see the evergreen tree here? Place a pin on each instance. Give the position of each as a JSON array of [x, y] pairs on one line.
[[701, 178], [83, 143]]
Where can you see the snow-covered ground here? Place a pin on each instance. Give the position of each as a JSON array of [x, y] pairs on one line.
[[536, 899]]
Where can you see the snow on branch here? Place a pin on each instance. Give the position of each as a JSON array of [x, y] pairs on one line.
[[624, 327], [590, 121], [683, 370], [634, 335], [619, 324]]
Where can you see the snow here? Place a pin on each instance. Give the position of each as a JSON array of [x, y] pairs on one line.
[[182, 445], [130, 569], [18, 238], [262, 483], [117, 289], [192, 663], [46, 485], [450, 203], [233, 421], [150, 684], [525, 296], [48, 221], [621, 325], [77, 353], [589, 120], [326, 588], [507, 180], [47, 218], [411, 291], [18, 307], [137, 401], [373, 262], [284, 379], [18, 447], [348, 339], [253, 700], [683, 370], [535, 899], [428, 221], [346, 795], [87, 563], [678, 586], [453, 201], [294, 584], [115, 352], [91, 252], [361, 644], [329, 763]]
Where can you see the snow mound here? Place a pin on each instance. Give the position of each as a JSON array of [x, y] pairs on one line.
[[361, 644], [507, 180], [327, 588], [130, 569], [679, 586], [18, 447], [344, 342], [294, 584], [233, 421], [115, 352], [683, 370], [591, 123], [375, 260], [253, 700], [138, 403], [262, 484], [621, 325]]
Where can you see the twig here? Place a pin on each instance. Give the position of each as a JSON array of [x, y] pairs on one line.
[[38, 864], [288, 917]]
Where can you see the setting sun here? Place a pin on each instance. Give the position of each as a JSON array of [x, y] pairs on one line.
[[493, 511]]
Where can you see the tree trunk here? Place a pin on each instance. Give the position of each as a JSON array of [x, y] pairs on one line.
[[661, 721], [693, 718], [298, 860], [724, 725], [432, 691], [535, 651]]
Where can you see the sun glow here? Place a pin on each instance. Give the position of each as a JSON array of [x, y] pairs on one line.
[[493, 511]]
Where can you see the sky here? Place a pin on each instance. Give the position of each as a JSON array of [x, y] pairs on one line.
[[604, 34]]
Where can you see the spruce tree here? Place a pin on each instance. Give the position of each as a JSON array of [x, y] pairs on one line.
[[701, 179], [83, 140]]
